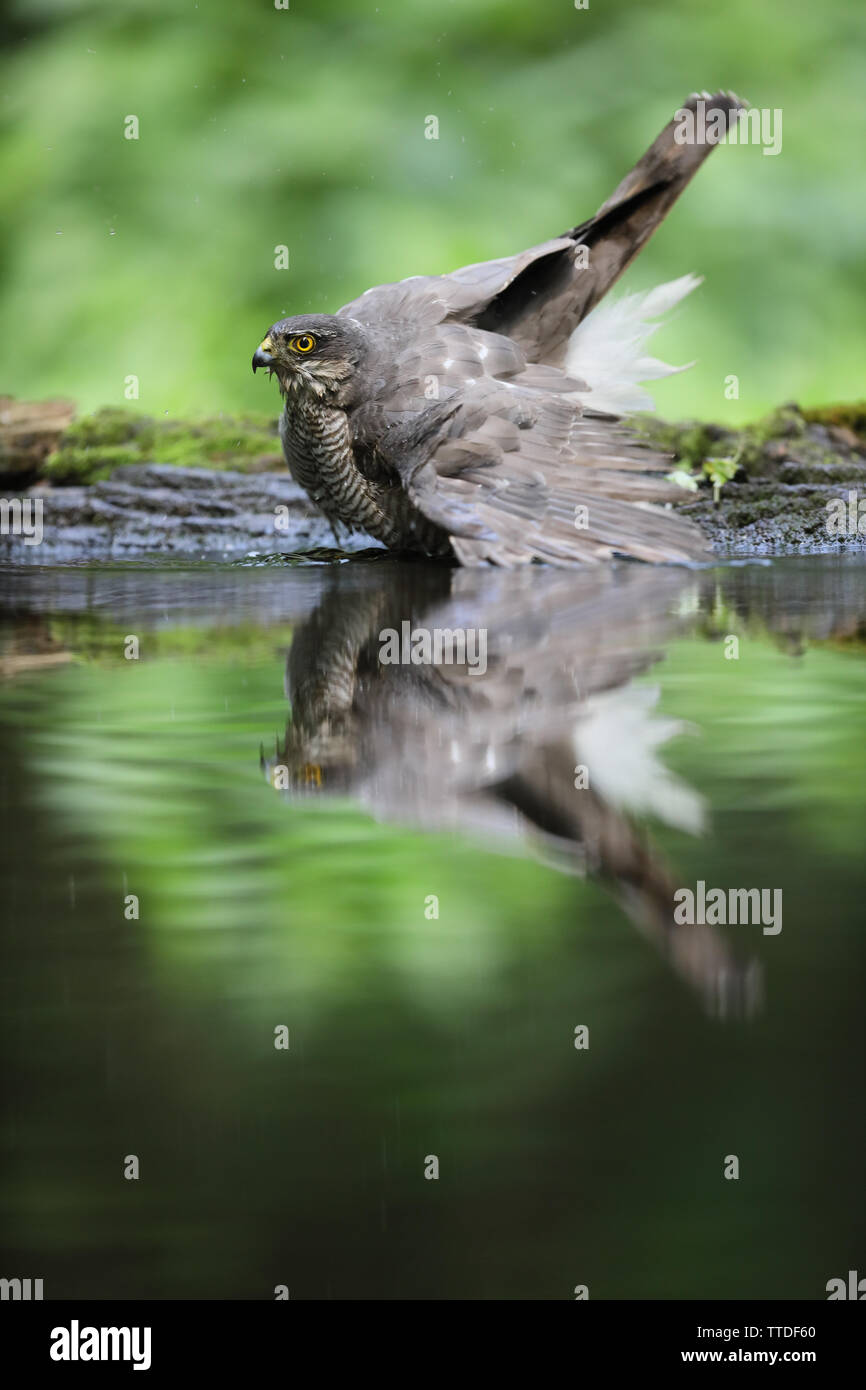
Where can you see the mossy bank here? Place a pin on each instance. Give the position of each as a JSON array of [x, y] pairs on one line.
[[117, 483]]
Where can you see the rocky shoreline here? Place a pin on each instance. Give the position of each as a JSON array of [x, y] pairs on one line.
[[116, 485], [793, 468], [150, 509]]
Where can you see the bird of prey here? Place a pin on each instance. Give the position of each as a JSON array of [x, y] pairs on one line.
[[474, 414], [493, 755]]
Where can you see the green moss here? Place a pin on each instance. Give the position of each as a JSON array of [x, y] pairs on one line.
[[243, 444], [852, 417], [786, 423], [690, 442], [695, 444], [108, 427], [71, 465], [97, 444]]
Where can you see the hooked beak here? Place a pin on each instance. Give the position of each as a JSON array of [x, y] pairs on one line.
[[262, 357]]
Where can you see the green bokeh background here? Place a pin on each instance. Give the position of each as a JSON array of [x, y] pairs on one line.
[[305, 127]]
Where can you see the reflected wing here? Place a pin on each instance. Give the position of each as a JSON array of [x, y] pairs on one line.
[[492, 750]]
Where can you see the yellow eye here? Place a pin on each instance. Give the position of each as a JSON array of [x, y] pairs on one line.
[[305, 343]]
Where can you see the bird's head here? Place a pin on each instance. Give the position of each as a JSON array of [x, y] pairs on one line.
[[314, 354]]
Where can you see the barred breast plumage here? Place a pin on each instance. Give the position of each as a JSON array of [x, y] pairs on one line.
[[318, 449]]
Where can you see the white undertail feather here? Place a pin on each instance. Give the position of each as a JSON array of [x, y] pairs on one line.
[[607, 349], [617, 736]]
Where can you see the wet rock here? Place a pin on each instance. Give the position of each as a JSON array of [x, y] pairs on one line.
[[798, 471], [147, 510]]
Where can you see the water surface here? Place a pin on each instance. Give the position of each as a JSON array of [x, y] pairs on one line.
[[290, 815]]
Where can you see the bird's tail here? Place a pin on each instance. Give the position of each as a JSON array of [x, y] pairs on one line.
[[552, 288], [625, 223]]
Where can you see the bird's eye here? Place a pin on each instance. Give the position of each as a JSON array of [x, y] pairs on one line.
[[305, 343]]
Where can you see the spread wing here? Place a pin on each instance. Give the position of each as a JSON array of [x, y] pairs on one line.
[[469, 407], [516, 471], [424, 300]]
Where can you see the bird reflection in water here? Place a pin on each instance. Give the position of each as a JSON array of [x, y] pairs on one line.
[[551, 749]]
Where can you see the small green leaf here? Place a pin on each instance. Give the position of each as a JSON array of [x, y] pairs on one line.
[[683, 479], [720, 471]]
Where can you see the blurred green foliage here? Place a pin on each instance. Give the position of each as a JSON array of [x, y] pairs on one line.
[[305, 127]]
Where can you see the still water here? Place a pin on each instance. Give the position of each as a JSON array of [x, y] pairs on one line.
[[227, 824]]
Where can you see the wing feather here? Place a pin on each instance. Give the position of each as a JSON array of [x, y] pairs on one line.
[[516, 475]]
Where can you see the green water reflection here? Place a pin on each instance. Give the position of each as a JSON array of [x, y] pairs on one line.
[[413, 1036]]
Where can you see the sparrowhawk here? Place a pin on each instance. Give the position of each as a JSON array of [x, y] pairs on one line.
[[473, 415], [494, 755]]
